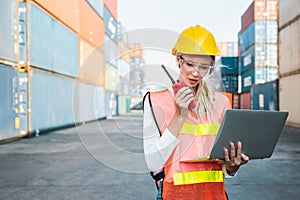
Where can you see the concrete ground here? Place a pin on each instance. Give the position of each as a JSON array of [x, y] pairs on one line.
[[104, 160]]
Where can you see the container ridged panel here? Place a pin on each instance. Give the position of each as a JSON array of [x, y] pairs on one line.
[[91, 102], [288, 10], [54, 101], [8, 30], [264, 96], [8, 84], [52, 46]]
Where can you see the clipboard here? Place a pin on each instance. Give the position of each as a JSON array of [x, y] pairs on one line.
[[258, 130]]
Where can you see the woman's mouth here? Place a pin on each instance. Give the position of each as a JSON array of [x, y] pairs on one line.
[[192, 81]]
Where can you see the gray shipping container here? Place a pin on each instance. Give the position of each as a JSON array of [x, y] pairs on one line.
[[91, 102], [9, 30], [288, 10], [9, 109], [54, 101]]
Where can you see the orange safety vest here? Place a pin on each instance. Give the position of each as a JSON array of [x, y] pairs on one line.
[[185, 179]]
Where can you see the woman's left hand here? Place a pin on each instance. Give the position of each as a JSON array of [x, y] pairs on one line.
[[235, 159]]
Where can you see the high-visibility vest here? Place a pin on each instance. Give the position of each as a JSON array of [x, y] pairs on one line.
[[197, 136]]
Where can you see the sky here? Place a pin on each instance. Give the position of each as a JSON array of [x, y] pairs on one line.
[[165, 19]]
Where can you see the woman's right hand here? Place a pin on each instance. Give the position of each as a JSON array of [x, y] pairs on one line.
[[182, 99]]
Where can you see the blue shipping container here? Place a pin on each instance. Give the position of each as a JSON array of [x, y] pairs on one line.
[[265, 96], [110, 25], [52, 46], [91, 102], [8, 30], [230, 83], [247, 37], [98, 6], [247, 80], [54, 101], [9, 115], [229, 65], [248, 59]]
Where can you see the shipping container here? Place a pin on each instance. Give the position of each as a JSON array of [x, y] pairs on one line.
[[112, 78], [248, 59], [136, 51], [230, 83], [266, 55], [236, 101], [9, 30], [245, 101], [92, 64], [248, 37], [124, 68], [91, 25], [111, 26], [9, 110], [259, 10], [223, 47], [123, 51], [112, 6], [91, 102], [232, 49], [122, 33], [288, 11], [124, 86], [54, 101], [229, 65], [266, 10], [123, 104], [266, 32], [247, 80], [65, 11], [289, 48], [111, 52], [57, 53], [98, 6], [248, 17], [289, 95], [265, 96], [111, 104]]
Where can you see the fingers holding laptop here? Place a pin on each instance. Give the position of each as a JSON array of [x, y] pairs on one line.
[[233, 159]]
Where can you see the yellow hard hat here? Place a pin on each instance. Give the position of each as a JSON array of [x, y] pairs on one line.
[[196, 40]]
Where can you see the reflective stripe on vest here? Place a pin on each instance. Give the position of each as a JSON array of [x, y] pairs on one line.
[[200, 129], [198, 177]]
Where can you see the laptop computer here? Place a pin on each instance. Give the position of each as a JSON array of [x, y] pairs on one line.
[[258, 130]]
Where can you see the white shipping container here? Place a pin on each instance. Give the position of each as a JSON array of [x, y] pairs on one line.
[[266, 55], [288, 10], [289, 95], [289, 48], [122, 104]]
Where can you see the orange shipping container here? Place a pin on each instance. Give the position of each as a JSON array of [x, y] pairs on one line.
[[112, 6], [135, 50], [65, 11], [223, 47], [91, 25], [92, 64]]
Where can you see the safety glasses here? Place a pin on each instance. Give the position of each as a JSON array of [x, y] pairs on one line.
[[191, 66]]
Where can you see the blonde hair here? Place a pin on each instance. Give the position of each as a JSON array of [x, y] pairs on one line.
[[203, 99]]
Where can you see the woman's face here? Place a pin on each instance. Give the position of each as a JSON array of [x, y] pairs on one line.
[[193, 68]]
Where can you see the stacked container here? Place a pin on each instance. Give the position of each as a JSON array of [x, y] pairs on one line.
[[229, 73], [228, 49], [60, 64], [258, 45], [137, 77], [289, 62], [124, 70], [111, 55]]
